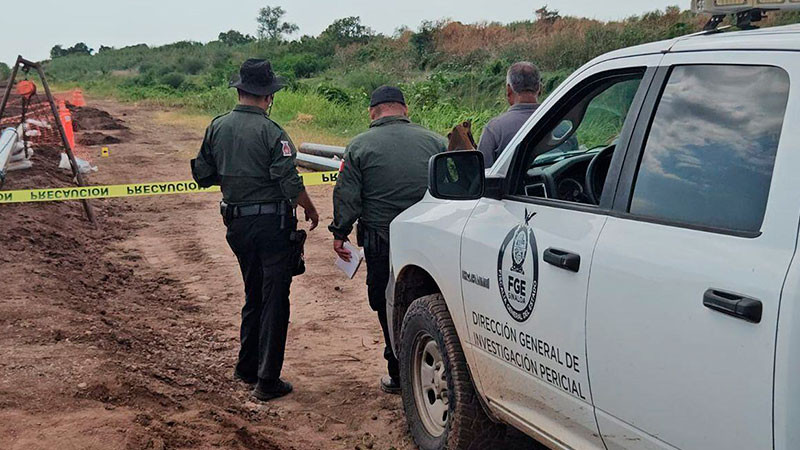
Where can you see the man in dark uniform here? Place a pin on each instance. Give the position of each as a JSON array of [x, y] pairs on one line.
[[385, 170], [252, 159]]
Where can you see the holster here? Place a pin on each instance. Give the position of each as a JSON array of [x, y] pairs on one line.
[[360, 235], [226, 212], [297, 264], [368, 239]]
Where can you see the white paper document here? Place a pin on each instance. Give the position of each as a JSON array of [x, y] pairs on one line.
[[356, 256]]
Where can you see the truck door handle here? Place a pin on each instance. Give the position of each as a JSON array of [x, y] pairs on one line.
[[735, 305], [562, 259]]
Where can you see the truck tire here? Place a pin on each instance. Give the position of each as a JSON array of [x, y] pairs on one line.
[[442, 409]]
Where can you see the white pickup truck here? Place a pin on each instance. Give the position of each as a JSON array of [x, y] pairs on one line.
[[625, 275]]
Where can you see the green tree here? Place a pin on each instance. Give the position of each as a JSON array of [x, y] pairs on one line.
[[57, 51], [104, 48], [271, 25], [423, 43], [347, 31], [233, 37], [79, 49], [5, 71]]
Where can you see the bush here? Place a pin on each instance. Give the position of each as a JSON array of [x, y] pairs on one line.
[[5, 72], [191, 66], [302, 65], [173, 79], [333, 94], [365, 80]]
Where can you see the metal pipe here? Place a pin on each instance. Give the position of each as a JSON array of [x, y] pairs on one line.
[[314, 162], [322, 150], [8, 142]]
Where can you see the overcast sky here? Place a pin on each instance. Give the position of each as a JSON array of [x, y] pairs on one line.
[[31, 29]]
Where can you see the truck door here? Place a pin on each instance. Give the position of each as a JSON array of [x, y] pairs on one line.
[[687, 273], [526, 257]]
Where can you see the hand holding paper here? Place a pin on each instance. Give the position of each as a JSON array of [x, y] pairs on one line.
[[350, 267]]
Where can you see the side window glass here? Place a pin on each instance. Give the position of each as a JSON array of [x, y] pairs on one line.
[[571, 160], [710, 152]]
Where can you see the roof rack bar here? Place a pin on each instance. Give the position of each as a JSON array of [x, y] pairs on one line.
[[744, 19], [714, 22]]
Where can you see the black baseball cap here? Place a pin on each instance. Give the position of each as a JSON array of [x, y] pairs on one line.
[[387, 94]]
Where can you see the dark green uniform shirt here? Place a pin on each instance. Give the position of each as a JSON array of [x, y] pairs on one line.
[[250, 157], [385, 171]]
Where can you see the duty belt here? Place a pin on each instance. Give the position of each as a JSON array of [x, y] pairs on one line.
[[234, 211], [230, 212]]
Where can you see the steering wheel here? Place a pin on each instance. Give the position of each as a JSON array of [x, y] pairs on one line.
[[596, 173]]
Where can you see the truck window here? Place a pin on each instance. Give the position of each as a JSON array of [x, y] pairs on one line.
[[710, 152], [570, 160]]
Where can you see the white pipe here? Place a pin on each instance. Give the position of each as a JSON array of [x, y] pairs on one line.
[[322, 150], [317, 162], [8, 141]]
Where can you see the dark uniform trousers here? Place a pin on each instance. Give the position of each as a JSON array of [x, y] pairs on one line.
[[264, 251], [376, 253]]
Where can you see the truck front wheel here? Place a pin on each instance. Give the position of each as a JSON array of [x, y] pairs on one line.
[[442, 408]]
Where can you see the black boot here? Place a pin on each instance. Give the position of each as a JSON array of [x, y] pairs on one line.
[[245, 379], [269, 390], [390, 385]]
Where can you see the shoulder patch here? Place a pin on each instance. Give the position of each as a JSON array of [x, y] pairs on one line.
[[287, 149]]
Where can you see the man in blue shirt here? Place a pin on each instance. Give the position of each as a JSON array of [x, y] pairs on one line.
[[523, 86]]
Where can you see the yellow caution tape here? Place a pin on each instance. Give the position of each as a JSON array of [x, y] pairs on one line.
[[133, 190]]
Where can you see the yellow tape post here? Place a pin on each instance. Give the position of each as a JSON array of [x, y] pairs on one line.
[[133, 190]]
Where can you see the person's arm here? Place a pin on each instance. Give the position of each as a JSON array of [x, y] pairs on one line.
[[488, 145], [284, 170], [346, 203], [204, 168], [304, 200]]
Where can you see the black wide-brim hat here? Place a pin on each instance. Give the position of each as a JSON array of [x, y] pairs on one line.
[[257, 78]]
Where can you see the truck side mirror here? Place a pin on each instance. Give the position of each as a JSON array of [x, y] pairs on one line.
[[457, 175]]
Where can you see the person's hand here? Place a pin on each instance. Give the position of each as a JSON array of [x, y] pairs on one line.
[[312, 216], [338, 247]]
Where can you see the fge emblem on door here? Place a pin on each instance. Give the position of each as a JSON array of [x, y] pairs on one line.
[[518, 270]]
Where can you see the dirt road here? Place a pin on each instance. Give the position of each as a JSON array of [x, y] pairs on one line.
[[125, 337]]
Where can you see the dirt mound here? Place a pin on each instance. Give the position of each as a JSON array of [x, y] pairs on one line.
[[93, 342], [96, 138], [88, 118], [95, 126]]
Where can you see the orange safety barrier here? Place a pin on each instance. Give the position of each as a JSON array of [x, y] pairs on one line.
[[77, 98], [66, 120]]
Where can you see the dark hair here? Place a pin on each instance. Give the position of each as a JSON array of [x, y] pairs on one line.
[[524, 77], [245, 94]]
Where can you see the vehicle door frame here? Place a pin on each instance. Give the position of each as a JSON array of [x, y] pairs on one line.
[[618, 160], [626, 182], [535, 129]]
